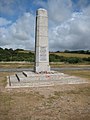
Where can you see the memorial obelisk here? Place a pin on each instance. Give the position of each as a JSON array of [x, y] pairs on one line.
[[42, 76], [41, 42]]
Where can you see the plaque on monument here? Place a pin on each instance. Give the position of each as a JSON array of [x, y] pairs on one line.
[[43, 54]]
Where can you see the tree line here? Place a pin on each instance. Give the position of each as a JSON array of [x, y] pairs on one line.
[[76, 51], [15, 55], [21, 55]]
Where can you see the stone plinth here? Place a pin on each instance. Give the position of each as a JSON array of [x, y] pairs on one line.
[[32, 79], [41, 41]]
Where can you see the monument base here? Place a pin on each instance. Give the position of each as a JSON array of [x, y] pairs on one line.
[[42, 68], [32, 79]]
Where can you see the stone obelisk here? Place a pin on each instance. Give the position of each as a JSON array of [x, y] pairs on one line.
[[41, 42]]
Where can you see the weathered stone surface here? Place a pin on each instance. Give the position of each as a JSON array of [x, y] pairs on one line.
[[41, 41], [32, 79]]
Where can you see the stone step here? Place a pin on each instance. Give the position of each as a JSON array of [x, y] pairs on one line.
[[12, 80], [20, 76], [41, 77], [52, 73], [36, 80], [35, 83]]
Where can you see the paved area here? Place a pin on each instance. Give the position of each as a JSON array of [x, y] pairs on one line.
[[31, 79]]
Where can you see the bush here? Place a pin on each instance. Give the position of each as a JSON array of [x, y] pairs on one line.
[[73, 60], [87, 59]]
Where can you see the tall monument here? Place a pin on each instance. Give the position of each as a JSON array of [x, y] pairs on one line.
[[41, 42]]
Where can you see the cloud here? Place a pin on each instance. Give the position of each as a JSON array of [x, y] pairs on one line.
[[59, 10], [6, 7], [68, 29], [20, 34], [83, 3], [40, 3], [72, 34], [4, 22], [23, 27], [14, 8]]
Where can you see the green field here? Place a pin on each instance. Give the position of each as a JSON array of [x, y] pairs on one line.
[[73, 55]]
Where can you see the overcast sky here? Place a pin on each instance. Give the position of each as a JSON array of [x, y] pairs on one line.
[[69, 23]]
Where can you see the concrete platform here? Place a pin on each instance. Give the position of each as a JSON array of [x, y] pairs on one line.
[[31, 79]]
